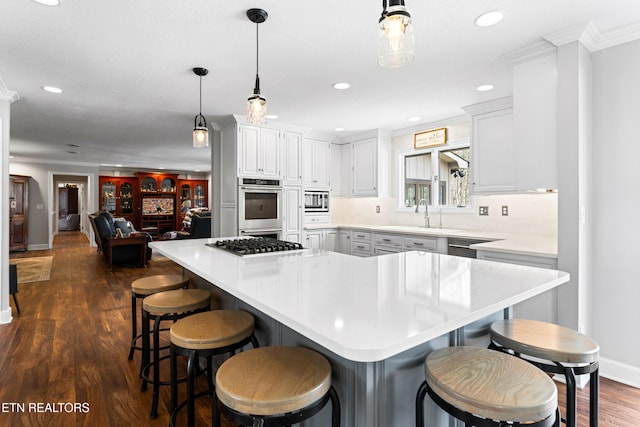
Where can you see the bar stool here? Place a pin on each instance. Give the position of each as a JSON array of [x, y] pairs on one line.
[[168, 305], [274, 386], [205, 335], [483, 387], [144, 287], [570, 353]]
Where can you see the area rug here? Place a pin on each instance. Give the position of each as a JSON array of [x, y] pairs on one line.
[[35, 269]]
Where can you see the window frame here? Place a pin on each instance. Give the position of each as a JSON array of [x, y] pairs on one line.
[[401, 154]]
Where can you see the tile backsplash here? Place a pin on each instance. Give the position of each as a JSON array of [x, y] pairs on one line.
[[535, 214]]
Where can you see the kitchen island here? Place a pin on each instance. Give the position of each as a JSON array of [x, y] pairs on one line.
[[375, 319]]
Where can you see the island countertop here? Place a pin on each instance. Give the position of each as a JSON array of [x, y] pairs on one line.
[[364, 309]]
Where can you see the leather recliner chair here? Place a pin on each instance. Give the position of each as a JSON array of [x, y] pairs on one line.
[[104, 228]]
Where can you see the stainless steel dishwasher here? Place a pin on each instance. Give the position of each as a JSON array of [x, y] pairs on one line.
[[460, 246]]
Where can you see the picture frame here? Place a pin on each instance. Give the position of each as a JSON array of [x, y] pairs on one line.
[[430, 138]]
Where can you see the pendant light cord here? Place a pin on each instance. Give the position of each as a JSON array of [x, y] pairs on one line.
[[257, 49], [200, 95]]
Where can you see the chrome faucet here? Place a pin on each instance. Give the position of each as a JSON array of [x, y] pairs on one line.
[[426, 211]]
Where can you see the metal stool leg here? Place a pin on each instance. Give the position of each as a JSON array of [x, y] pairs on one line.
[[594, 397], [422, 392], [146, 345], [156, 367], [572, 410], [134, 324]]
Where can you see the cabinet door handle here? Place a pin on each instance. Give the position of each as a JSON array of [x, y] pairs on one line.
[[418, 244], [386, 240], [359, 247]]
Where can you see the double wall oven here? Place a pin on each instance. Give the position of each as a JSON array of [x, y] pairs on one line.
[[259, 207]]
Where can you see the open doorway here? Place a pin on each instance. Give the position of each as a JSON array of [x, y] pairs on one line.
[[85, 201], [69, 201]]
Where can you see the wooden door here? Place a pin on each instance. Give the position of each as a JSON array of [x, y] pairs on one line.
[[18, 212]]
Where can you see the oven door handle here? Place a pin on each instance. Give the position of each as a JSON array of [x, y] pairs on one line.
[[261, 230], [261, 189]]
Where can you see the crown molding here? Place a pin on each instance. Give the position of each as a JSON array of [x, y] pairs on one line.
[[6, 94], [539, 48], [592, 38], [489, 106]]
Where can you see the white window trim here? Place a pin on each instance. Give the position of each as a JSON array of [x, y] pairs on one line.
[[400, 162]]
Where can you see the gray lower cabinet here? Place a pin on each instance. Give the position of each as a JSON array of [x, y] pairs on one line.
[[543, 307]]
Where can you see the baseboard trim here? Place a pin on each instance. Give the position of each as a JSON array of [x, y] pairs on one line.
[[5, 316], [38, 247], [620, 372]]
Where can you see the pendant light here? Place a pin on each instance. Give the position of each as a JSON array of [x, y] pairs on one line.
[[395, 41], [256, 104], [200, 130]]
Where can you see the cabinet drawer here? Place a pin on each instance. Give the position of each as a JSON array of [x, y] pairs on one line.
[[317, 219], [360, 247], [387, 239], [360, 235], [421, 243]]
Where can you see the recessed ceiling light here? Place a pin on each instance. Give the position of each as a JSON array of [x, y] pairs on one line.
[[73, 145], [414, 119], [72, 152], [51, 89], [488, 19], [339, 129], [160, 167], [48, 2], [196, 170], [341, 86], [11, 157], [272, 116], [484, 88]]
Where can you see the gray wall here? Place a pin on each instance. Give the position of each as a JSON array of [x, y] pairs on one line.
[[41, 192], [616, 150]]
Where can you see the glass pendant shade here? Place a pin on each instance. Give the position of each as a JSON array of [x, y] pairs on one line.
[[200, 136], [256, 110], [395, 40]]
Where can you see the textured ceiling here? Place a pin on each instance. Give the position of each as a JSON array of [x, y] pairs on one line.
[[130, 95]]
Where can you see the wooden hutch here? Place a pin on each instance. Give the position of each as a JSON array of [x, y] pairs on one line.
[[153, 202]]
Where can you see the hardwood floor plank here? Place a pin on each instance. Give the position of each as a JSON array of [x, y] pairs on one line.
[[71, 342]]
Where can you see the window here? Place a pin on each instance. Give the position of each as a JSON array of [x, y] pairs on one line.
[[440, 176]]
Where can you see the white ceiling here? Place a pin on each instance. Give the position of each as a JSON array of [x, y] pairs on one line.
[[130, 96]]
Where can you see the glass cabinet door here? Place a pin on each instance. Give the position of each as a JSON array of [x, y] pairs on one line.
[[126, 198], [199, 196], [185, 197], [149, 184], [108, 192], [168, 185]]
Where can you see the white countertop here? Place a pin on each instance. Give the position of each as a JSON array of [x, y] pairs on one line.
[[543, 246], [364, 309]]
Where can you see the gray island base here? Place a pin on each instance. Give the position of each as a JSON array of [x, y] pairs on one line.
[[375, 319]]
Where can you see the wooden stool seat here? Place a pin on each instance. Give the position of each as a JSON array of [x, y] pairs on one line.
[[556, 350], [273, 380], [202, 336], [144, 287], [212, 329], [545, 341], [491, 384], [162, 282], [176, 301]]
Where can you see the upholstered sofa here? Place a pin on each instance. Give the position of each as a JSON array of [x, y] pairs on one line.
[[105, 226], [70, 223], [199, 227]]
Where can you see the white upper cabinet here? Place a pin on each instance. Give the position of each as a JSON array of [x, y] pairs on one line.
[[365, 168], [316, 163], [514, 145], [341, 170], [492, 147], [258, 152], [292, 158]]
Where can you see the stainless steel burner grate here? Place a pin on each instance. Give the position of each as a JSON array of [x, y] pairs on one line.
[[255, 245]]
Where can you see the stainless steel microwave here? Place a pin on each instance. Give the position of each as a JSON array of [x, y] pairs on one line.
[[316, 201]]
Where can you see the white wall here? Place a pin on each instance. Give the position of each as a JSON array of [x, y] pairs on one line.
[[616, 201]]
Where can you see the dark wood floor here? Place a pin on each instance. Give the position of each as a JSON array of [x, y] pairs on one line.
[[70, 345]]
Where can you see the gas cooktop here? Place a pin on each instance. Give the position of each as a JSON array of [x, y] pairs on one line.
[[255, 245]]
